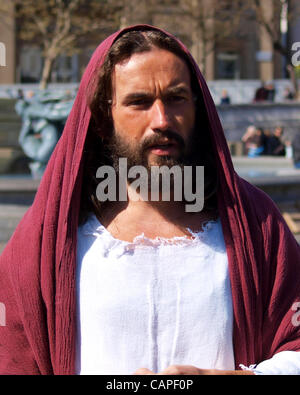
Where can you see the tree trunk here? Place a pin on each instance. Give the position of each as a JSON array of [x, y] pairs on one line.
[[294, 80], [48, 64]]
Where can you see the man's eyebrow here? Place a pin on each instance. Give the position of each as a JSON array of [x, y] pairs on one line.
[[180, 89], [144, 94], [136, 95]]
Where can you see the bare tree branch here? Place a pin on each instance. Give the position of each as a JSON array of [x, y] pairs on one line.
[[271, 26], [56, 25]]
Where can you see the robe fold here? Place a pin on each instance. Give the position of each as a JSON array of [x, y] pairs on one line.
[[37, 267]]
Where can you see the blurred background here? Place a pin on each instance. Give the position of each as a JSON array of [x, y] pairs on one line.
[[248, 51]]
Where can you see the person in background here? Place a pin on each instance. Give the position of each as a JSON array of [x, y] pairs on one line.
[[266, 136], [271, 92], [275, 145], [254, 141], [261, 94], [225, 99]]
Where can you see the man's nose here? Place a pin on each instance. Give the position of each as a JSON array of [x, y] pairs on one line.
[[160, 119]]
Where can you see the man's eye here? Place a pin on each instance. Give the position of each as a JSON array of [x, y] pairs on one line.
[[176, 99], [141, 103]]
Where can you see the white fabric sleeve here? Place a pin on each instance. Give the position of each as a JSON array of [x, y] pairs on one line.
[[283, 363]]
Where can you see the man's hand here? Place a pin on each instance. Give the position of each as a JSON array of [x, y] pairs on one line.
[[192, 370]]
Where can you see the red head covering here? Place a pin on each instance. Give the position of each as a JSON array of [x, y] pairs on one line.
[[37, 267]]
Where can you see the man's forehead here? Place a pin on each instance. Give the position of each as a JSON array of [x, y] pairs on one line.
[[142, 69]]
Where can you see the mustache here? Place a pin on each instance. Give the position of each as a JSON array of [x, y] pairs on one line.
[[156, 138]]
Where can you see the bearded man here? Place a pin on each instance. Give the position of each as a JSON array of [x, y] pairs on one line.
[[144, 286]]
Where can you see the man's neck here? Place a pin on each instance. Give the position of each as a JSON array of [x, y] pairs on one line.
[[168, 219]]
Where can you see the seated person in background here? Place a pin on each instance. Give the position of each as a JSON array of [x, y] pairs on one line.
[[271, 92], [266, 136], [254, 141], [275, 144], [261, 93]]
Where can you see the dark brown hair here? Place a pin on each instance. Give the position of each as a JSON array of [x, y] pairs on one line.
[[101, 124]]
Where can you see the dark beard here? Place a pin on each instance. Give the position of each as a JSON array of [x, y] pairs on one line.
[[107, 152], [118, 148]]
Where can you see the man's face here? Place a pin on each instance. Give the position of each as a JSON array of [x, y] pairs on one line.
[[153, 109]]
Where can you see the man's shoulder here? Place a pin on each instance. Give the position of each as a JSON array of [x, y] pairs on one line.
[[257, 201], [264, 217]]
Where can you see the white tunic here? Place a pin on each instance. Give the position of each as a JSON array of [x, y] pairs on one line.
[[155, 303]]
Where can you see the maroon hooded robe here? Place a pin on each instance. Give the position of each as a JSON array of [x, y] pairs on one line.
[[37, 267]]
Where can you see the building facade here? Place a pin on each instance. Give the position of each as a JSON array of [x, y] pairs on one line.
[[245, 52]]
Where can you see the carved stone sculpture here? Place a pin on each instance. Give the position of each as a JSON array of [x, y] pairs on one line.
[[43, 118]]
